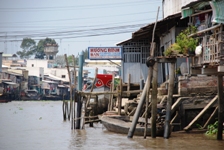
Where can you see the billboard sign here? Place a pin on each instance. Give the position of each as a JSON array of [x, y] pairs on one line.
[[105, 53]]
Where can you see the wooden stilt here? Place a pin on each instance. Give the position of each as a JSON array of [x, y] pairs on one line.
[[209, 119], [82, 122], [167, 128], [220, 107], [138, 110], [88, 99], [212, 102], [154, 101], [147, 101], [70, 84], [128, 87], [120, 97], [74, 87]]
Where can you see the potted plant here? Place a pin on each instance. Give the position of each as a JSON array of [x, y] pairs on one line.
[[184, 44]]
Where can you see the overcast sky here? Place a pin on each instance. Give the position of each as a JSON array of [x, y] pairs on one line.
[[74, 24]]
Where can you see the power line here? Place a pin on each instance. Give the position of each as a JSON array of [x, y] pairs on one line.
[[76, 7], [72, 19]]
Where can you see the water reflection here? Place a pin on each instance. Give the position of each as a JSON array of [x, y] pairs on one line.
[[39, 125]]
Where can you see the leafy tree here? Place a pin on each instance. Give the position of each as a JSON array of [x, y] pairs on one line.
[[40, 47], [29, 47], [70, 60]]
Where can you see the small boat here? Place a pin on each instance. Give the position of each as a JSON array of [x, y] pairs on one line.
[[121, 124], [30, 95]]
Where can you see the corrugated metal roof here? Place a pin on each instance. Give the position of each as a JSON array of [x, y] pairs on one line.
[[52, 78], [9, 55], [11, 83], [161, 27], [190, 8], [13, 73], [197, 4], [46, 81], [62, 86]]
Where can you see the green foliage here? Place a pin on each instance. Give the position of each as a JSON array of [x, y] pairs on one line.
[[212, 129], [178, 71], [199, 126], [172, 50], [116, 82], [29, 47], [183, 42], [39, 54]]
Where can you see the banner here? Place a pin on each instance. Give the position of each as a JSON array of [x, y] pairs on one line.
[[103, 80], [102, 53]]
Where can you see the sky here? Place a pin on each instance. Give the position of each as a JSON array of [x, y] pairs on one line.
[[74, 24]]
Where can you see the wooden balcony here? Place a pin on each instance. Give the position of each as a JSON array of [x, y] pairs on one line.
[[212, 41]]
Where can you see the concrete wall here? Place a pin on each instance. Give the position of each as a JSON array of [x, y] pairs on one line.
[[199, 85], [37, 63]]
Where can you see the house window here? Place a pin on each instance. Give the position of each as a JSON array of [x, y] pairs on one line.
[[32, 65], [62, 76]]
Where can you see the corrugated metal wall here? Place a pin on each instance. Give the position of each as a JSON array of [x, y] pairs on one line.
[[171, 7]]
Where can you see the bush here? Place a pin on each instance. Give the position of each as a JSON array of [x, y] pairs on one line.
[[184, 43]]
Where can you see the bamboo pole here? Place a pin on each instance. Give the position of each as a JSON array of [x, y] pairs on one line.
[[167, 127], [70, 84]]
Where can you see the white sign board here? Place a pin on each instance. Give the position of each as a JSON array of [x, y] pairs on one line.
[[102, 53]]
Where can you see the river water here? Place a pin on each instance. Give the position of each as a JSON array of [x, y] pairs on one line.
[[39, 125]]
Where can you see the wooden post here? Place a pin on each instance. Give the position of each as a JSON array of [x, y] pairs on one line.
[[129, 82], [80, 86], [74, 87], [211, 116], [154, 101], [112, 90], [120, 97], [70, 83], [110, 99], [83, 112], [220, 107], [138, 110], [96, 72], [147, 100], [167, 127], [201, 113]]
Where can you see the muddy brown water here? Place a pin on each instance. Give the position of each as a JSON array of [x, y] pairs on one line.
[[39, 125]]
